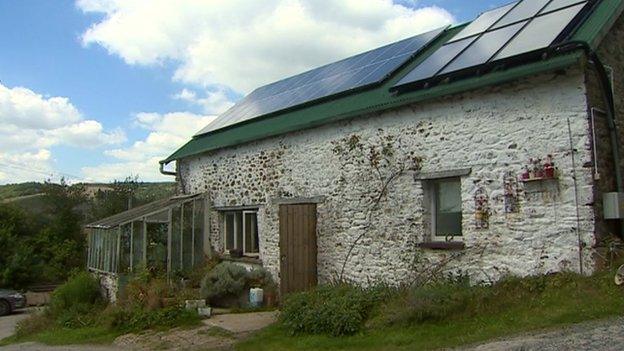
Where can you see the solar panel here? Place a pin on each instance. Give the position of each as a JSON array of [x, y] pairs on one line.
[[523, 11], [484, 48], [483, 22], [430, 66], [529, 26], [358, 71], [541, 32], [559, 4]]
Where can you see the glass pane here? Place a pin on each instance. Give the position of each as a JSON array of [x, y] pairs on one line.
[[448, 207], [251, 232], [484, 48], [540, 33], [137, 245], [525, 10], [239, 230], [157, 246], [176, 239], [187, 236], [229, 231], [483, 22], [429, 67], [199, 231], [124, 255]]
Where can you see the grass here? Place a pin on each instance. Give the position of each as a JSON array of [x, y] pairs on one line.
[[513, 307], [66, 336]]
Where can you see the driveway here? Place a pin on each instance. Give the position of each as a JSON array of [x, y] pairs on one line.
[[7, 323]]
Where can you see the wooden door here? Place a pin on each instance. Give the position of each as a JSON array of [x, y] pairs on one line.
[[297, 247]]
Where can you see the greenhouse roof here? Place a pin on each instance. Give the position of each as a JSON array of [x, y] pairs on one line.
[[141, 211]]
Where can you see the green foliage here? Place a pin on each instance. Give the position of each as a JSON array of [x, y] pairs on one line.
[[512, 306], [10, 191], [226, 284], [333, 310], [73, 303], [129, 320], [225, 280]]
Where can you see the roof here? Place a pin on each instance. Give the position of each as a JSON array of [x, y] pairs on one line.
[[141, 211], [592, 31]]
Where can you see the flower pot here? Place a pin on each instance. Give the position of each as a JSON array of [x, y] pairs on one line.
[[549, 172]]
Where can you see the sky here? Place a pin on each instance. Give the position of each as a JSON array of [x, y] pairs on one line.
[[100, 90]]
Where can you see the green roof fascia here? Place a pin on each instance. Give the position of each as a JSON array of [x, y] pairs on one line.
[[598, 24], [379, 99]]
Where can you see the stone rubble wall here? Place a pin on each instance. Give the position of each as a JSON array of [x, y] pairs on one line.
[[493, 131]]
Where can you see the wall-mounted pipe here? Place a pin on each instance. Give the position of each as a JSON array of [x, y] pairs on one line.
[[165, 172], [607, 95]]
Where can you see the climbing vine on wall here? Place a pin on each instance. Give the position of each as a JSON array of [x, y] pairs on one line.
[[382, 159]]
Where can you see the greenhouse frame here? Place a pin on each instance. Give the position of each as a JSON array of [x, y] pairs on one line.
[[166, 235]]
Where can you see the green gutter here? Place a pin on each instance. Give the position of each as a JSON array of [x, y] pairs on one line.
[[379, 99]]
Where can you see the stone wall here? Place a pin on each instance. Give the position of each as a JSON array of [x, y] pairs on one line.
[[109, 285], [611, 53], [493, 131]]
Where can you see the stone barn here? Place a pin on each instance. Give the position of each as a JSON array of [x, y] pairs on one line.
[[483, 150]]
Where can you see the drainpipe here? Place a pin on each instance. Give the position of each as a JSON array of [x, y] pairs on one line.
[[607, 95], [164, 172]]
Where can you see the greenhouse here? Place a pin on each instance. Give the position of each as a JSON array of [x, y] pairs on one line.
[[164, 236]]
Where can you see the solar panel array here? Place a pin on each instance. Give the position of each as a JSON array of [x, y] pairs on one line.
[[515, 29], [355, 72]]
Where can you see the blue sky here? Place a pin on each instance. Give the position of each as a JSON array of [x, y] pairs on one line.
[[138, 81]]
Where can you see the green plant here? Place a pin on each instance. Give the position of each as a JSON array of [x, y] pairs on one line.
[[129, 320], [33, 324], [227, 283], [81, 291], [226, 280], [334, 310], [421, 304]]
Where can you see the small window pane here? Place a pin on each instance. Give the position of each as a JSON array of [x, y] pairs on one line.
[[199, 232], [187, 236], [176, 247], [137, 245], [251, 232], [229, 231], [239, 230], [448, 207], [124, 255]]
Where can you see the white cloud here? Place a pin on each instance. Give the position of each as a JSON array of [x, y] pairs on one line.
[[166, 133], [243, 44], [214, 102], [31, 123]]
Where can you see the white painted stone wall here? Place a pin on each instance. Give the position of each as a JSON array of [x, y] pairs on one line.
[[492, 131]]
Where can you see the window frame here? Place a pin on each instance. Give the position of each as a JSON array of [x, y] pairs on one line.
[[432, 187], [239, 246]]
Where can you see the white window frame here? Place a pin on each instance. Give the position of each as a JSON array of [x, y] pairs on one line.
[[237, 245], [244, 234], [433, 203]]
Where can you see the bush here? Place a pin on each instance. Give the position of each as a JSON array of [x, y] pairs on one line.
[[73, 304], [33, 324], [225, 282], [144, 291], [137, 319], [335, 310]]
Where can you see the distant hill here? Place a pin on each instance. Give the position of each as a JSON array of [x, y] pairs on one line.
[[25, 194]]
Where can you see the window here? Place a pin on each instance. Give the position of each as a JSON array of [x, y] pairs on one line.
[[446, 214], [240, 229]]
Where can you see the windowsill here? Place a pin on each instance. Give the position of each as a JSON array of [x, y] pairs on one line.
[[442, 245], [243, 259]]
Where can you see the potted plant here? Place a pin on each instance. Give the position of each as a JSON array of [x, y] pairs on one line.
[[549, 167]]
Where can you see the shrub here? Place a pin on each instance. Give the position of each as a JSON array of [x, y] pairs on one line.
[[335, 310], [144, 292], [226, 281], [79, 295], [127, 320]]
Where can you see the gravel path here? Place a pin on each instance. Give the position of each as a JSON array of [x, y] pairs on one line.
[[601, 335]]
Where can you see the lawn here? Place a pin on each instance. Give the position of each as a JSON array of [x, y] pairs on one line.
[[519, 306], [67, 336]]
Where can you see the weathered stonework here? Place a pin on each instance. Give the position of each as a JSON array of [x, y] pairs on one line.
[[492, 131], [109, 285]]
